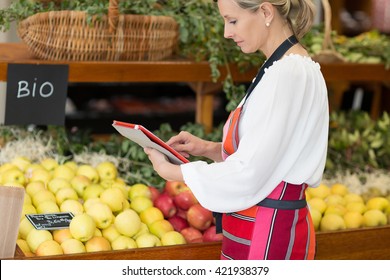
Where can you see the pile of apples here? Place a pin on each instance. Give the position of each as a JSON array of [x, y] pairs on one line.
[[181, 208], [108, 214], [336, 208]]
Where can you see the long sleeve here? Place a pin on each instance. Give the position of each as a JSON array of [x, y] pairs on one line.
[[283, 134]]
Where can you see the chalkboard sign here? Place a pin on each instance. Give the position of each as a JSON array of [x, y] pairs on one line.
[[36, 94], [50, 221]]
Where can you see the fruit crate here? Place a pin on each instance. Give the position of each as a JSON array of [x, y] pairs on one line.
[[358, 244]]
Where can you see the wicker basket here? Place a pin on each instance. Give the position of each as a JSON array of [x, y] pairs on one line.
[[328, 52], [67, 35]]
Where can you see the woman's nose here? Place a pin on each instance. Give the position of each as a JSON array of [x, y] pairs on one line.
[[227, 33]]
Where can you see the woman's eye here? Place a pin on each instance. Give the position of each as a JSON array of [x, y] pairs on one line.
[[232, 22]]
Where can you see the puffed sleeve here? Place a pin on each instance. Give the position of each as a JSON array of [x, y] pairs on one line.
[[283, 133]]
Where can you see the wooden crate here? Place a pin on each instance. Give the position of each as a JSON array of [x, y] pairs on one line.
[[360, 244]]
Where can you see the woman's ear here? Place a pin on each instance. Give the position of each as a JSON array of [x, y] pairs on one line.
[[267, 10]]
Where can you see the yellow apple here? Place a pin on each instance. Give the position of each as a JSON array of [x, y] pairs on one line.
[[110, 233], [356, 206], [316, 217], [123, 242], [353, 219], [73, 206], [82, 227], [73, 246], [107, 170], [50, 164], [63, 171], [144, 229], [23, 246], [172, 238], [72, 165], [80, 183], [160, 227], [13, 175], [318, 204], [377, 202], [87, 203], [151, 215], [374, 218], [127, 222], [339, 189], [21, 162], [335, 209], [334, 199], [92, 191], [101, 214], [36, 237], [97, 244], [60, 235], [40, 174], [353, 197], [332, 222], [141, 203], [139, 190], [98, 232], [57, 183], [114, 198], [147, 240], [33, 187], [49, 248], [27, 199], [125, 205], [88, 171], [25, 227], [7, 166], [42, 196], [123, 187], [12, 184], [65, 194], [107, 183], [321, 191], [28, 209], [47, 206]]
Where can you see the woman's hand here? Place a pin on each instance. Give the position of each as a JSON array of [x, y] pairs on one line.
[[167, 170]]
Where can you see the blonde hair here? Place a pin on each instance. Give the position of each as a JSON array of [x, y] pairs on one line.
[[298, 13]]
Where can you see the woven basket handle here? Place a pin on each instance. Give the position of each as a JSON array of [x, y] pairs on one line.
[[327, 43], [113, 15]]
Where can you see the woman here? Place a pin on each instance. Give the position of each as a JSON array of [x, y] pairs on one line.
[[274, 144]]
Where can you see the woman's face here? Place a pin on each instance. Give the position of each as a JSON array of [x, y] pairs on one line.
[[245, 27]]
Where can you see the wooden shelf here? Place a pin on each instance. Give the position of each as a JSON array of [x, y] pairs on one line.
[[360, 244], [196, 74]]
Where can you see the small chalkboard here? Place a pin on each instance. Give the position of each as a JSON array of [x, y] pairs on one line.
[[36, 94], [50, 221]]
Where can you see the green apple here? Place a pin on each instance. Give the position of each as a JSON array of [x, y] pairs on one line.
[[139, 190], [80, 183], [60, 235], [40, 174], [50, 164], [332, 222], [378, 202], [88, 171], [160, 227], [47, 206], [13, 175], [353, 219], [34, 187], [42, 196], [141, 203], [64, 171], [374, 218], [97, 244], [114, 198], [110, 233], [101, 214], [82, 227], [123, 242], [21, 162], [57, 183], [127, 222], [36, 237], [25, 227], [65, 194], [107, 170], [151, 215], [73, 206], [73, 246], [92, 191], [172, 238], [49, 248], [147, 240]]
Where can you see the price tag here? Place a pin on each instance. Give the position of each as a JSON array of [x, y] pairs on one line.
[[36, 94], [50, 221]]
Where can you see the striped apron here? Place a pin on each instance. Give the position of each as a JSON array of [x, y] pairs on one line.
[[277, 228]]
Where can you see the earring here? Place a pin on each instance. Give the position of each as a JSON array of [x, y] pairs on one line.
[[267, 24]]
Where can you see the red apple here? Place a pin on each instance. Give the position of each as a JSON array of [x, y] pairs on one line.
[[165, 203], [185, 199], [199, 217], [175, 187], [154, 192], [192, 235], [182, 213], [178, 222], [210, 235]]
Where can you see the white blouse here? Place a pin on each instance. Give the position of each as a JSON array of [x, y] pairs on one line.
[[283, 133]]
